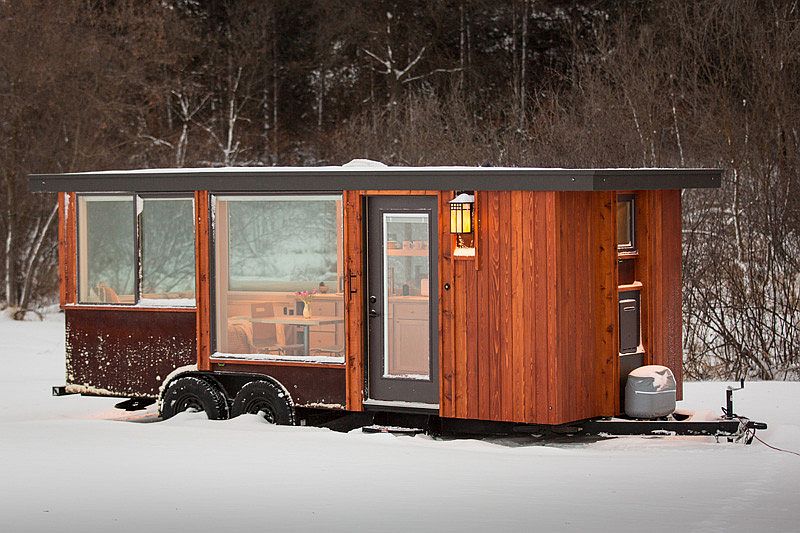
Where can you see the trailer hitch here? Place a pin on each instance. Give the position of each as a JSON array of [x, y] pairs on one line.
[[728, 409]]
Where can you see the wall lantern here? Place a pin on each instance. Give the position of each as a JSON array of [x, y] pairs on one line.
[[461, 213]]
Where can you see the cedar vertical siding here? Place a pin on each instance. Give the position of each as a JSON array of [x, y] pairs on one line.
[[534, 327], [354, 298], [67, 249], [659, 234], [202, 237]]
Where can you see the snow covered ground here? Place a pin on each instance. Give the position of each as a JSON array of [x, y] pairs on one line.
[[77, 464]]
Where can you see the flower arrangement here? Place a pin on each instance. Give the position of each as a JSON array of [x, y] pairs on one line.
[[305, 296]]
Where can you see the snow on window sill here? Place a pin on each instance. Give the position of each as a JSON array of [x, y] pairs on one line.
[[167, 302], [257, 357]]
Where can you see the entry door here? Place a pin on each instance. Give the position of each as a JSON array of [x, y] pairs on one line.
[[402, 302]]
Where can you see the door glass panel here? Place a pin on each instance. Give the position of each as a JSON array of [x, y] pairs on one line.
[[406, 286]]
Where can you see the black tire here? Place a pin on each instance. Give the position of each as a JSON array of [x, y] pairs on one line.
[[194, 393], [267, 399]]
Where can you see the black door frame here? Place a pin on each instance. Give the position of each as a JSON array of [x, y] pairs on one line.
[[379, 389]]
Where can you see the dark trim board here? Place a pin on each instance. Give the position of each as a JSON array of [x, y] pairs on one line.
[[248, 179]]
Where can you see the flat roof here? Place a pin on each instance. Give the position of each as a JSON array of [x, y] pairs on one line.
[[376, 176]]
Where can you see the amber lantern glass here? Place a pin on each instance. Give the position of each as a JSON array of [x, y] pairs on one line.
[[461, 214]]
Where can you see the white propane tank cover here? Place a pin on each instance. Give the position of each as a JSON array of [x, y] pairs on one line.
[[650, 392], [662, 377]]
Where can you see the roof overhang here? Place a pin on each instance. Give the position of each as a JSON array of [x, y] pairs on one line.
[[256, 179]]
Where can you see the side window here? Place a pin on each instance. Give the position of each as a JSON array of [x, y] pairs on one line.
[[106, 249], [626, 220], [136, 251], [167, 251]]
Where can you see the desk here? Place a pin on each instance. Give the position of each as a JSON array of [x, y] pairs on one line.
[[296, 320]]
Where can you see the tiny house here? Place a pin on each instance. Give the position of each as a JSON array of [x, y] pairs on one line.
[[516, 295]]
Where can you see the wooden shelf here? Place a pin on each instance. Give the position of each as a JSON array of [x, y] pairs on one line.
[[405, 252]]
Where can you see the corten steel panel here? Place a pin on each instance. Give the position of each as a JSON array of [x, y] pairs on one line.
[[308, 385], [124, 352]]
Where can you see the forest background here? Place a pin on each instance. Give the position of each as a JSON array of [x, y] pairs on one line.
[[92, 85]]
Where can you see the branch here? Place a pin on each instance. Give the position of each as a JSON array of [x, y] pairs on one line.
[[383, 62], [434, 71]]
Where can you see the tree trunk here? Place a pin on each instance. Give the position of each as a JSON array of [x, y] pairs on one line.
[[10, 286], [33, 261]]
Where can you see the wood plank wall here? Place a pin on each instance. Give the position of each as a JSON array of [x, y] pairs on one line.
[[658, 227], [203, 278], [67, 248], [354, 298], [534, 328], [529, 328]]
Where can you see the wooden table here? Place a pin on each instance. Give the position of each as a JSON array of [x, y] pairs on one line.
[[296, 320]]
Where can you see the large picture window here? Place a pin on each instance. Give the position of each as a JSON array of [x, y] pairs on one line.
[[136, 250], [279, 276]]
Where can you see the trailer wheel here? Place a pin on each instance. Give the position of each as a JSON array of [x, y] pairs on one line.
[[267, 399], [195, 394]]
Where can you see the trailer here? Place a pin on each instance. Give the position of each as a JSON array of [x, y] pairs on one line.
[[462, 295]]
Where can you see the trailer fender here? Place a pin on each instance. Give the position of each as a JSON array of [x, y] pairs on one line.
[[170, 378]]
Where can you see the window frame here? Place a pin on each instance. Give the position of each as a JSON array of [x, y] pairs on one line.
[[136, 212], [212, 248], [80, 259], [627, 247]]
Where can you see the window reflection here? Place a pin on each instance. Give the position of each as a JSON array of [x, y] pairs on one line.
[[168, 260], [106, 249], [279, 276]]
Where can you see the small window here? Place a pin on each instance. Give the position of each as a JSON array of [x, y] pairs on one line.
[[148, 265], [106, 249], [626, 219], [167, 243]]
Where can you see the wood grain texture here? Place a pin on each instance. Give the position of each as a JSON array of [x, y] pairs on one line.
[[517, 295], [534, 326], [67, 249], [203, 278], [659, 269], [62, 249], [354, 298], [604, 291], [448, 352]]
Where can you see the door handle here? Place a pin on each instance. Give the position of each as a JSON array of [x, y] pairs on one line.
[[373, 313]]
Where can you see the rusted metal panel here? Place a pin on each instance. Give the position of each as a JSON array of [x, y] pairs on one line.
[[126, 352], [309, 385]]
